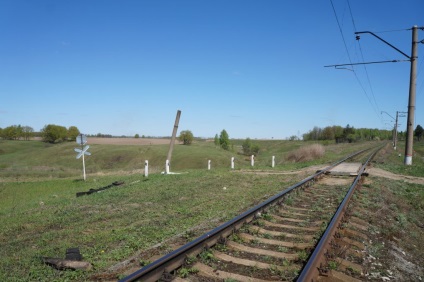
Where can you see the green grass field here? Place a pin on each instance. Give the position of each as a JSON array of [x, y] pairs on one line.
[[42, 217]]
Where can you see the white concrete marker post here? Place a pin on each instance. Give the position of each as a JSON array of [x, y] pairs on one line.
[[167, 167], [209, 164], [252, 160], [232, 162], [273, 161], [146, 168]]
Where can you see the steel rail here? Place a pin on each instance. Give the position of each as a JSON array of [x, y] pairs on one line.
[[173, 260], [316, 260]]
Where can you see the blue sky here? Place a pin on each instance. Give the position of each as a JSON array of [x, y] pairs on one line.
[[254, 68]]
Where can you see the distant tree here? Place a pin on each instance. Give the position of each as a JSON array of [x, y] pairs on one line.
[[338, 133], [349, 133], [27, 132], [186, 136], [293, 138], [419, 132], [12, 132], [52, 133], [1, 132], [328, 133], [8, 133], [19, 132], [73, 133], [137, 136], [314, 134], [224, 140], [216, 140]]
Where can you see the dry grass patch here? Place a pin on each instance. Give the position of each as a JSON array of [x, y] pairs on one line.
[[306, 153]]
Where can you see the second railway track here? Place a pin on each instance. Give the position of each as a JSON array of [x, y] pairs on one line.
[[278, 240]]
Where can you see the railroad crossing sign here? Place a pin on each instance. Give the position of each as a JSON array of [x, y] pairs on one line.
[[82, 139], [82, 152]]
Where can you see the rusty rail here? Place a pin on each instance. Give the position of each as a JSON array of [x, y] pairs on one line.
[[316, 263], [155, 270]]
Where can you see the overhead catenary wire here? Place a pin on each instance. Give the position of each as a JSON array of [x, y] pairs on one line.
[[362, 56], [393, 30], [350, 60], [420, 84]]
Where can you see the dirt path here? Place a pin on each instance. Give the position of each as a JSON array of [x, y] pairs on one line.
[[386, 174], [377, 172]]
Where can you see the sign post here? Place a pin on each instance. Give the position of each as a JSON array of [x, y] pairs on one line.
[[82, 139]]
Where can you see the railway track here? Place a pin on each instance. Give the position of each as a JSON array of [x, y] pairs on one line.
[[304, 233]]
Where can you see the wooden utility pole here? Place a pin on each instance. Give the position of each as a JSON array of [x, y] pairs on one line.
[[174, 134]]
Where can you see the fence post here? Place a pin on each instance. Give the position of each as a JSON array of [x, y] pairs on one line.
[[209, 164], [232, 162], [252, 160], [146, 168], [273, 161]]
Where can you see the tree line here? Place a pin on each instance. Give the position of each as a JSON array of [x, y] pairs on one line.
[[50, 133], [16, 132], [350, 134]]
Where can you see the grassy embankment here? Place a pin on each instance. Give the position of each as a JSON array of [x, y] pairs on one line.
[[31, 160], [395, 212], [42, 217]]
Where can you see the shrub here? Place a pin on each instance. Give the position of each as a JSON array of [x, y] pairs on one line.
[[186, 136], [307, 153], [52, 133], [73, 133], [249, 148], [247, 145]]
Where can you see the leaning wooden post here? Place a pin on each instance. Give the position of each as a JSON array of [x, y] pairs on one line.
[[174, 134]]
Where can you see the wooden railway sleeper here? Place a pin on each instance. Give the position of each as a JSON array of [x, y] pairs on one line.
[[222, 240], [323, 270], [342, 252], [327, 254], [167, 276], [333, 244]]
